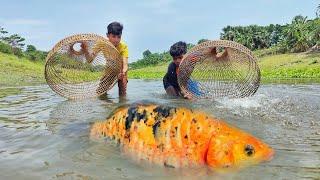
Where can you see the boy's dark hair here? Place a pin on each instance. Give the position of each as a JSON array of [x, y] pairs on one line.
[[178, 49], [115, 28]]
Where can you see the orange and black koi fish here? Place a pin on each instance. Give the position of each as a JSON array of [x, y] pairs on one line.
[[180, 137]]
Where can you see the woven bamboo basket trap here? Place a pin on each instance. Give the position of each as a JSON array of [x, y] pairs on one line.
[[202, 75], [82, 66]]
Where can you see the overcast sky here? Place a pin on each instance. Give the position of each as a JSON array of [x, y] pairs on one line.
[[148, 24]]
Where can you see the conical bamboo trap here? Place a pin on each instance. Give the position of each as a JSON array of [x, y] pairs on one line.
[[202, 75], [70, 73]]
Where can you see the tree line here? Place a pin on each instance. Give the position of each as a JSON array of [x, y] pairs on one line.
[[300, 35], [14, 44]]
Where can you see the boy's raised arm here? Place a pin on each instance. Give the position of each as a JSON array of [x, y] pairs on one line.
[[84, 51]]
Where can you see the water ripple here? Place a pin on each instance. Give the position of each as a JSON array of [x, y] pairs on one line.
[[45, 136]]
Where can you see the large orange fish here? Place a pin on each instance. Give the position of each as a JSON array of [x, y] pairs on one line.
[[180, 137]]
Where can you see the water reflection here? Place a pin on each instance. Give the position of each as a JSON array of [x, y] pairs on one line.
[[44, 136]]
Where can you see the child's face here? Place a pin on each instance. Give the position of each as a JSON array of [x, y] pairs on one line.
[[177, 59], [114, 39]]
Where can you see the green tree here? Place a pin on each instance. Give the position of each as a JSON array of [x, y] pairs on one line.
[[318, 11], [298, 34], [253, 36], [15, 41], [146, 53], [190, 45], [314, 28], [2, 32], [30, 48], [5, 48], [276, 33], [202, 40], [18, 52]]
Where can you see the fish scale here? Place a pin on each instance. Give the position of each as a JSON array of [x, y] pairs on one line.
[[177, 137]]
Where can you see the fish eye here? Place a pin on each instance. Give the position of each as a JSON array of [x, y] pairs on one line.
[[249, 150]]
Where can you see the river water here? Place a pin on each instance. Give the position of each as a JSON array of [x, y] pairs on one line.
[[44, 136]]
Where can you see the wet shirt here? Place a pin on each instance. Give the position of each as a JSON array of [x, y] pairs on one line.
[[170, 79]]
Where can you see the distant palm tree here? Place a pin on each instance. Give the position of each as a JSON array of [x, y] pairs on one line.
[[318, 11], [297, 34], [315, 33], [299, 19]]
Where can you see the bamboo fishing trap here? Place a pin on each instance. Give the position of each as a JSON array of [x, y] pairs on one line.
[[82, 66], [76, 74], [202, 75]]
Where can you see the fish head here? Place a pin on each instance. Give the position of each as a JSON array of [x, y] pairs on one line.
[[232, 148]]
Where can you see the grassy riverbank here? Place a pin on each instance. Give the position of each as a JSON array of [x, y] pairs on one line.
[[282, 66], [16, 71]]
